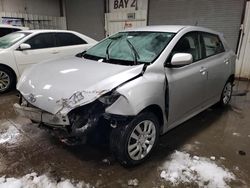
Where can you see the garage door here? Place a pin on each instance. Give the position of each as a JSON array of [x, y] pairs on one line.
[[86, 16], [221, 15]]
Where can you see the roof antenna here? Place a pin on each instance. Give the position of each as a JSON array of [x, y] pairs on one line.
[[196, 23]]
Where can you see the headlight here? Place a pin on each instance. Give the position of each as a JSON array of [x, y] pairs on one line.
[[109, 99]]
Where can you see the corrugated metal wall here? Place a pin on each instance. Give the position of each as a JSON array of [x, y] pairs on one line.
[[86, 16], [33, 21], [221, 15], [37, 7]]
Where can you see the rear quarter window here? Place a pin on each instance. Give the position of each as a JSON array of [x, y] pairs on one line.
[[68, 39]]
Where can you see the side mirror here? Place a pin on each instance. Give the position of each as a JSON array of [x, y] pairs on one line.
[[24, 46], [180, 59]]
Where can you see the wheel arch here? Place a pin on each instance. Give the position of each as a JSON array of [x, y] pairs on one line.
[[157, 111], [231, 78]]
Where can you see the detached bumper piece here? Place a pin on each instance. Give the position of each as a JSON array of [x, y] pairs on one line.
[[40, 116]]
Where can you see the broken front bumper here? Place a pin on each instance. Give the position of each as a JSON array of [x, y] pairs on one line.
[[40, 116]]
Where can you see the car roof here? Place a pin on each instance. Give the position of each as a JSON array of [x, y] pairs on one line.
[[47, 31], [170, 28]]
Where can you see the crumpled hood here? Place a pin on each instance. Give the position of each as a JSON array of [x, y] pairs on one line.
[[51, 82]]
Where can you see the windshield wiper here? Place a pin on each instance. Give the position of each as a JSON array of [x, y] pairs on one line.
[[136, 55], [107, 49]]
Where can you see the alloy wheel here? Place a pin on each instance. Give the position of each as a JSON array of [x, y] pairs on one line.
[[227, 93], [141, 140], [4, 81]]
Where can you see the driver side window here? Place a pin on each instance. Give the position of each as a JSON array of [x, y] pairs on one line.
[[189, 43], [41, 41]]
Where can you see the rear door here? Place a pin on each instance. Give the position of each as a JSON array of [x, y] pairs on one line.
[[217, 63], [69, 44], [42, 48], [187, 83]]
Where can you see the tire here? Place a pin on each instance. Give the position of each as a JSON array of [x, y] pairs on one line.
[[226, 94], [122, 137], [7, 80]]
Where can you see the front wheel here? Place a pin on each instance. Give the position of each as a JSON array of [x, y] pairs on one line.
[[7, 80], [134, 143], [226, 93]]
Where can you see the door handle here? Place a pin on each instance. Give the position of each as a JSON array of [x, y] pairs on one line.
[[203, 70], [226, 61], [55, 52]]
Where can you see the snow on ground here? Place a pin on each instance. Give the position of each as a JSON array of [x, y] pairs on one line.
[[34, 181], [183, 168], [10, 135]]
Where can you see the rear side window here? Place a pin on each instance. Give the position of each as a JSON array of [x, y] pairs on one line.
[[68, 39], [43, 40], [5, 31], [212, 45]]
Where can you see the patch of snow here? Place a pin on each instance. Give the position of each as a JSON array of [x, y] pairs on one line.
[[212, 158], [237, 168], [222, 158], [236, 134], [197, 142], [196, 158], [34, 181], [10, 135], [107, 161], [133, 182], [182, 168]]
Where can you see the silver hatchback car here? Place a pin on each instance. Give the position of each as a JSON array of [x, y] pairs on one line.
[[138, 84]]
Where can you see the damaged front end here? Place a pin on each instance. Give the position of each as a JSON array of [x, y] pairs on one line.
[[79, 122]]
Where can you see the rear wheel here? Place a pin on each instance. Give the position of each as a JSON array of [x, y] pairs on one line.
[[7, 80], [226, 93], [132, 144]]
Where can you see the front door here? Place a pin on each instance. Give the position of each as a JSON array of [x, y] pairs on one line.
[[42, 48], [187, 83]]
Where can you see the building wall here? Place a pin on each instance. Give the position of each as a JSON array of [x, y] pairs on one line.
[[38, 7], [221, 15], [86, 16]]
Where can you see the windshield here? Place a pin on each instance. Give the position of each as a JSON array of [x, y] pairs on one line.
[[10, 39], [129, 48]]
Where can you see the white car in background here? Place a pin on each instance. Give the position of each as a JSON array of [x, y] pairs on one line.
[[7, 29], [21, 49]]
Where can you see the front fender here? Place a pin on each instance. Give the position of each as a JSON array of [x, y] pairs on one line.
[[138, 94], [8, 59]]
